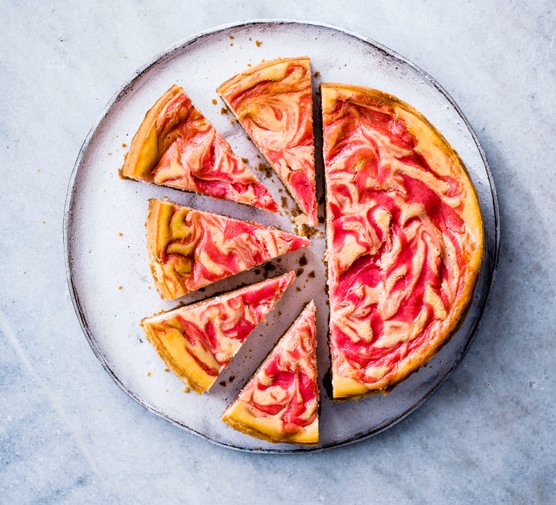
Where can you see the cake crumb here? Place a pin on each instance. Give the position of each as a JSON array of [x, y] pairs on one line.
[[214, 102], [222, 383], [231, 44], [266, 169], [303, 260], [250, 39], [284, 201], [124, 145], [120, 287], [311, 274], [166, 369], [298, 289], [299, 272], [148, 374], [245, 160], [43, 221], [258, 42], [186, 389], [120, 234], [231, 37], [316, 74], [232, 378], [223, 111]]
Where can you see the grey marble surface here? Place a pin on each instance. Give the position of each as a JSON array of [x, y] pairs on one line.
[[69, 435]]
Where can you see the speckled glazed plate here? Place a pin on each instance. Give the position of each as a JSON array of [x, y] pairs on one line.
[[104, 231]]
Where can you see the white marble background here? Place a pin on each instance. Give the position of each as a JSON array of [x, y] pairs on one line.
[[68, 434]]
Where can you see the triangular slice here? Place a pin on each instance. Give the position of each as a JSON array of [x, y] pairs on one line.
[[280, 402], [198, 341], [274, 104], [404, 238], [176, 146], [189, 249]]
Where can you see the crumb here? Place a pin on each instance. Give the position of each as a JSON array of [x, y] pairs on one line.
[[109, 154], [269, 267], [258, 42], [223, 111], [222, 383], [231, 37], [232, 378], [245, 160], [43, 222], [298, 289], [284, 201], [249, 64], [148, 374], [299, 272], [303, 260], [120, 287], [311, 275], [186, 389], [316, 74], [266, 169], [166, 369], [250, 39], [257, 271], [120, 234], [279, 260], [214, 102], [124, 145], [280, 190], [231, 44]]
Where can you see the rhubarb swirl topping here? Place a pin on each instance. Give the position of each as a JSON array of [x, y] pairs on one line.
[[273, 103], [404, 236], [190, 248], [176, 146]]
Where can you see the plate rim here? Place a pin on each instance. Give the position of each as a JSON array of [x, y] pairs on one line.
[[68, 221]]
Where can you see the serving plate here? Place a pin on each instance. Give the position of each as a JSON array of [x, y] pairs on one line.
[[105, 242]]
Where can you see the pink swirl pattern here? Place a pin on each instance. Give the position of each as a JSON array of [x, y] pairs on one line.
[[283, 395], [273, 103], [404, 238], [176, 146], [190, 249]]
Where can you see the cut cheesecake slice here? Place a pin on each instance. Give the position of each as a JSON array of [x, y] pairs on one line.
[[189, 249], [273, 103], [198, 341], [404, 238], [176, 146], [280, 402]]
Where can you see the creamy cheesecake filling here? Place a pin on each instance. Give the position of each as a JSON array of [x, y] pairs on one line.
[[280, 402], [198, 341], [190, 249], [274, 105], [176, 146], [404, 237]]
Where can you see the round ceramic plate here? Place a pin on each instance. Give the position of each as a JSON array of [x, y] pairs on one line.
[[104, 231]]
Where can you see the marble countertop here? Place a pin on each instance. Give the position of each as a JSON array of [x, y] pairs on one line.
[[68, 434]]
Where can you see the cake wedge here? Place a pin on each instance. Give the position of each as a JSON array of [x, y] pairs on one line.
[[176, 146], [198, 341], [189, 249], [273, 102], [280, 402]]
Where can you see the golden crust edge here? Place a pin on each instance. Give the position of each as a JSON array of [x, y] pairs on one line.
[[128, 169], [194, 374]]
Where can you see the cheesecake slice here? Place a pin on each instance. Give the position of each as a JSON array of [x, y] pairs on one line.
[[280, 402], [198, 341], [176, 146], [273, 103], [404, 238], [189, 249]]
